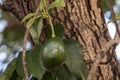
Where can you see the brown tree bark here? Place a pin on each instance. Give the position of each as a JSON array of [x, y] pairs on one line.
[[83, 21]]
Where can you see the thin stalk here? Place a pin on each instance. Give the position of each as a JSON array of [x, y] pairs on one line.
[[52, 27], [24, 54], [50, 21]]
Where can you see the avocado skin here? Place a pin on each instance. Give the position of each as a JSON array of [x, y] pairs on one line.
[[53, 54]]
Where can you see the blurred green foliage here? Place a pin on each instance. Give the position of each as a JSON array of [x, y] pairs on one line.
[[13, 34]]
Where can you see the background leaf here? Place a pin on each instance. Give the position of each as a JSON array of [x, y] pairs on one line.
[[33, 62], [59, 31], [15, 76], [117, 16], [75, 61], [13, 34], [19, 67], [105, 5], [57, 3], [9, 71]]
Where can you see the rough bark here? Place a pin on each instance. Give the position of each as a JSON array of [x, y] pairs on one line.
[[83, 21]]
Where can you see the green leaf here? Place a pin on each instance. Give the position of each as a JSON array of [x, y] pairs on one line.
[[13, 34], [59, 31], [117, 16], [42, 4], [39, 26], [9, 71], [19, 67], [32, 20], [11, 66], [33, 62], [47, 76], [35, 31], [75, 60], [57, 3], [28, 16], [14, 76], [19, 78], [63, 73]]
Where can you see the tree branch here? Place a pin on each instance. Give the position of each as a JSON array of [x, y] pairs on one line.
[[24, 50], [24, 54], [99, 57], [104, 50]]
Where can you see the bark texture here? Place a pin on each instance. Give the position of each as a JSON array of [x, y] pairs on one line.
[[83, 21]]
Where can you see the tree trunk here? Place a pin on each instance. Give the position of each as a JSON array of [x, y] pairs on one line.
[[83, 21]]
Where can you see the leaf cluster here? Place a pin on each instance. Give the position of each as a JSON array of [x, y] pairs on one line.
[[36, 19], [73, 69]]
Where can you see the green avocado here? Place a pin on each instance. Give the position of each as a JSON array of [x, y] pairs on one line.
[[53, 54]]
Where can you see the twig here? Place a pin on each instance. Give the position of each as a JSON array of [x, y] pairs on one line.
[[99, 57], [24, 54], [24, 50], [113, 18]]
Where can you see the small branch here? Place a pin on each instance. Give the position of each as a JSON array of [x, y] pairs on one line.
[[100, 56], [113, 18], [24, 54], [24, 50]]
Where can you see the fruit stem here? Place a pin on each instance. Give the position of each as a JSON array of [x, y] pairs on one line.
[[54, 76], [50, 21], [52, 27]]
